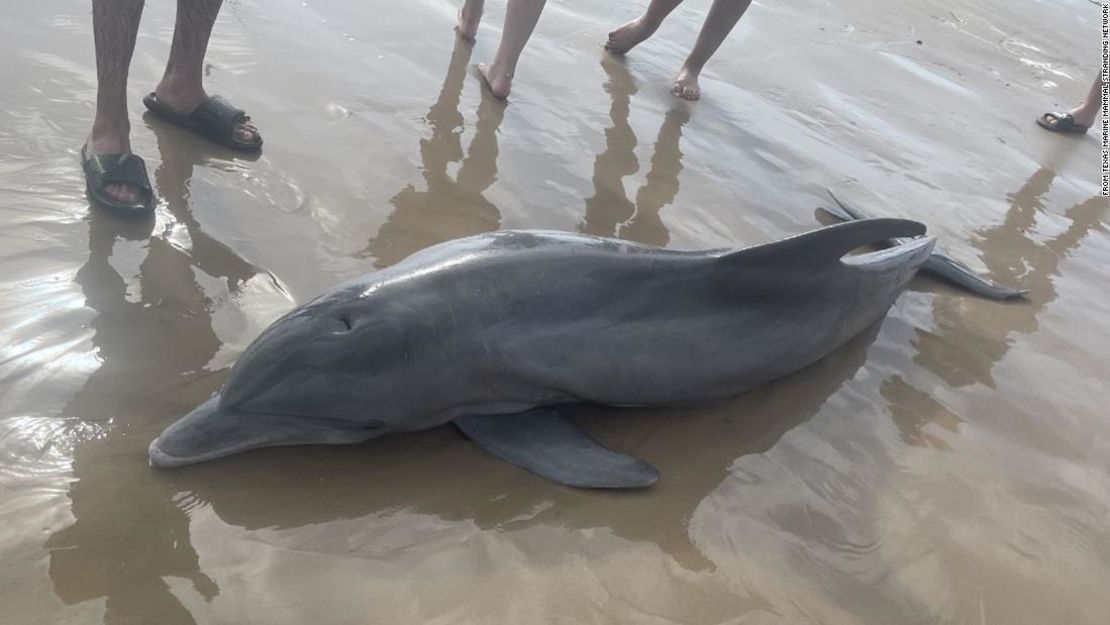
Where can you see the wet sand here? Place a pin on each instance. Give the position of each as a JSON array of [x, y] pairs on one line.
[[950, 466]]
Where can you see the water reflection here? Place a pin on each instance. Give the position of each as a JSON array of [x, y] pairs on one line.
[[914, 412], [1013, 254], [448, 207], [153, 335], [609, 212], [440, 474]]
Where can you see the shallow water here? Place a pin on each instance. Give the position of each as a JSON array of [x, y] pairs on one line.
[[949, 466]]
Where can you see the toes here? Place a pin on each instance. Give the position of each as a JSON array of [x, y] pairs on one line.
[[1050, 120], [122, 193], [246, 132]]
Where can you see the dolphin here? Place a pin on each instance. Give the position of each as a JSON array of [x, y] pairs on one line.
[[939, 263], [494, 332]]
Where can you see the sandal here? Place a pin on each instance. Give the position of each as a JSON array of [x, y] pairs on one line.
[[215, 119], [1061, 122], [102, 170]]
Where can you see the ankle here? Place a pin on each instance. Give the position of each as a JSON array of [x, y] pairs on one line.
[[1085, 115], [110, 137], [650, 23], [500, 71], [691, 69], [184, 89]]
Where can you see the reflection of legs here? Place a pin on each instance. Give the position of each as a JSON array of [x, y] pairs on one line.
[[722, 16], [470, 15], [182, 85], [444, 118], [415, 212], [609, 205], [115, 26], [1025, 201], [661, 186], [1085, 216], [146, 602], [520, 20], [210, 255], [478, 170], [1006, 247], [631, 34]]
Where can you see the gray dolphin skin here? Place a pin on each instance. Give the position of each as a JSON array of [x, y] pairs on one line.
[[939, 264], [494, 332]]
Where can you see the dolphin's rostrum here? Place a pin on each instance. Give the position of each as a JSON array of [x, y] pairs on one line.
[[494, 332]]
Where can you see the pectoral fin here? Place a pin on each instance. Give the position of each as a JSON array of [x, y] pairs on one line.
[[543, 442]]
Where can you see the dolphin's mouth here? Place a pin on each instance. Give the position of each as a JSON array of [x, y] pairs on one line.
[[164, 460], [206, 433], [210, 432]]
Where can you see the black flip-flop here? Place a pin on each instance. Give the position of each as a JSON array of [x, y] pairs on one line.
[[1061, 122], [102, 170], [215, 119]]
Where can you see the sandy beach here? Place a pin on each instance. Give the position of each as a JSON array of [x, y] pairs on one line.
[[949, 466]]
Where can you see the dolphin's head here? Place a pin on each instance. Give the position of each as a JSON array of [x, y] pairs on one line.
[[317, 376]]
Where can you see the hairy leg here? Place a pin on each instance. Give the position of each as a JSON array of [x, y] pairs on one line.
[[722, 16], [115, 26], [631, 34], [520, 20], [182, 85]]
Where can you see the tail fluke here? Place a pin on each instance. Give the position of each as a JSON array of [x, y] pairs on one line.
[[939, 263], [944, 266]]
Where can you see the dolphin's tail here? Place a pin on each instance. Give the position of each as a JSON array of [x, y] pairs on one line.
[[939, 262]]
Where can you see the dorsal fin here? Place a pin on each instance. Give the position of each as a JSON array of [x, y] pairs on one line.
[[820, 247]]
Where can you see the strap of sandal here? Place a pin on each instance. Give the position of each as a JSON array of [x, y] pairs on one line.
[[1059, 121], [125, 169], [219, 112]]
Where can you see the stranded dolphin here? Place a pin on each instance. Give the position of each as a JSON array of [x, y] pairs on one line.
[[493, 332], [939, 263]]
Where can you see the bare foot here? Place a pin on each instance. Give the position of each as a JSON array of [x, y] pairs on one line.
[[499, 81], [686, 85], [185, 100], [114, 142], [629, 36], [469, 18]]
